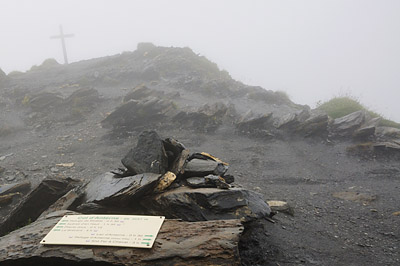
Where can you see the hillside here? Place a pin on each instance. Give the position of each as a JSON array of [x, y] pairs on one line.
[[340, 176]]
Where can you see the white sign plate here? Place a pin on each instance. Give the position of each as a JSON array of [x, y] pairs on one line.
[[105, 230]]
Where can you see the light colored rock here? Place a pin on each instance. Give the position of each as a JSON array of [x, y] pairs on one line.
[[280, 206], [346, 125]]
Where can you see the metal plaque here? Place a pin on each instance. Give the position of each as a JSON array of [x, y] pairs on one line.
[[105, 230]]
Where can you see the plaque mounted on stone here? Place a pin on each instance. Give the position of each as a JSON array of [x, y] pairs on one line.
[[105, 230]]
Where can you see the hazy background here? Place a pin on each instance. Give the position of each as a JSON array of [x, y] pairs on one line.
[[313, 49]]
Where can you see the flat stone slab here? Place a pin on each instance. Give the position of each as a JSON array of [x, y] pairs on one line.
[[107, 189], [178, 243]]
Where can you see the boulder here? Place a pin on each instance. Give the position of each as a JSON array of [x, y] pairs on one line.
[[37, 201], [315, 125], [259, 126], [139, 93], [45, 101], [346, 125], [82, 101], [177, 243], [207, 118], [148, 156], [387, 132], [138, 115], [364, 132], [292, 120], [204, 204], [393, 145], [46, 65]]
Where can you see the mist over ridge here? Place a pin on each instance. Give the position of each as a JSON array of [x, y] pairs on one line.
[[312, 50]]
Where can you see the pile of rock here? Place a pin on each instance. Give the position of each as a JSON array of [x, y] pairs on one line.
[[161, 177]]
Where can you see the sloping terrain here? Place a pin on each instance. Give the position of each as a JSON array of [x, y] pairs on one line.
[[341, 177]]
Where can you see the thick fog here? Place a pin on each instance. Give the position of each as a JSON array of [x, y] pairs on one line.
[[313, 50]]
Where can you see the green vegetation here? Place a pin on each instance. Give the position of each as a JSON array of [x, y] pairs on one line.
[[344, 105]]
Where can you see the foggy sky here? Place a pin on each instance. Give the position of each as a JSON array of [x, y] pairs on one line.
[[313, 49]]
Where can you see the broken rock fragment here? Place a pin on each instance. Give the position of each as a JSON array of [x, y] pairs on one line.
[[37, 201]]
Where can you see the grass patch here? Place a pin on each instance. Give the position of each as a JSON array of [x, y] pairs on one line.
[[344, 105]]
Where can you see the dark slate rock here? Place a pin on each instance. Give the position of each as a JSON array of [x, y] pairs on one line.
[[37, 201], [15, 187], [210, 181], [148, 156], [196, 182], [108, 190], [138, 115], [229, 179], [179, 164], [199, 167], [208, 204], [173, 149], [216, 181]]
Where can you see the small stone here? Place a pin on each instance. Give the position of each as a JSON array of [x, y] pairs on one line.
[[10, 178], [54, 170], [165, 181], [216, 181], [65, 164], [396, 213], [280, 206], [229, 178]]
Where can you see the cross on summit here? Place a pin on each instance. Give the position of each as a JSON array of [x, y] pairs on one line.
[[62, 36]]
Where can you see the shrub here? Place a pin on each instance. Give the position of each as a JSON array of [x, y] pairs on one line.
[[344, 105]]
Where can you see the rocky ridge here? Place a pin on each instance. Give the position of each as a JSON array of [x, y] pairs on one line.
[[338, 175]]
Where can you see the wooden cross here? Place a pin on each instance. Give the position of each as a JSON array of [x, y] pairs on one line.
[[62, 36]]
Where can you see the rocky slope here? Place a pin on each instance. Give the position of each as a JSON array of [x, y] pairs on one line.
[[340, 176]]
